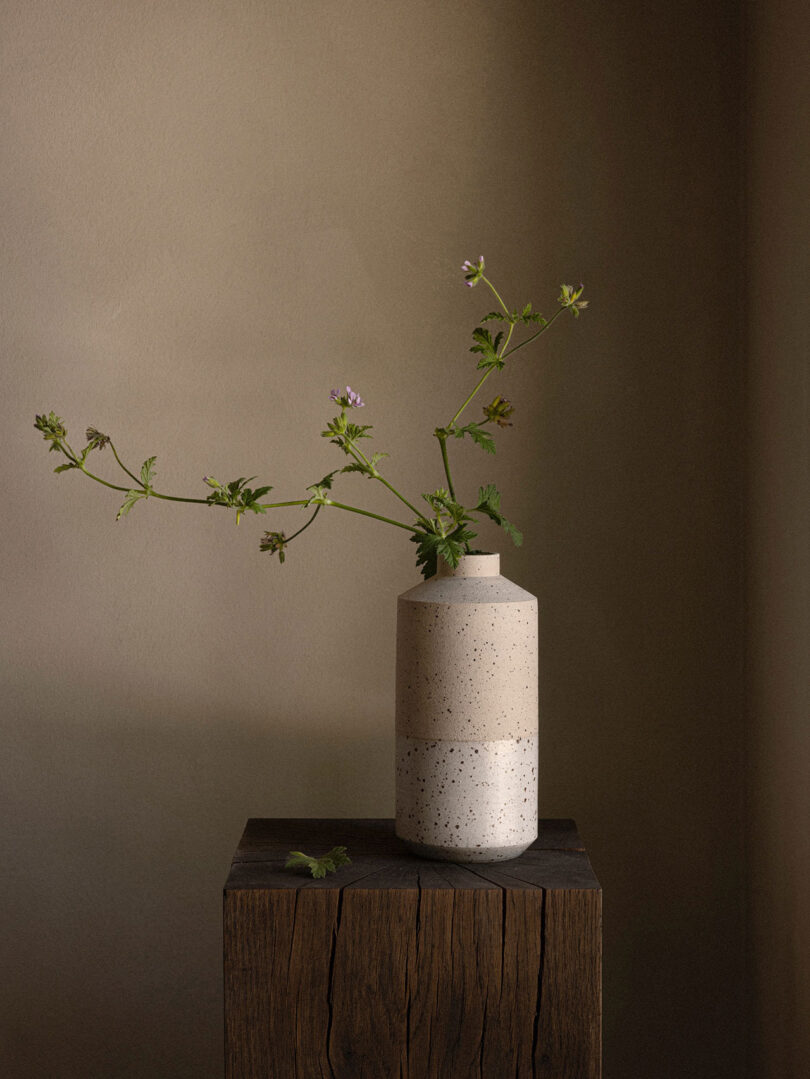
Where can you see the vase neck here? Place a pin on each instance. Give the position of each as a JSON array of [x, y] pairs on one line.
[[472, 565]]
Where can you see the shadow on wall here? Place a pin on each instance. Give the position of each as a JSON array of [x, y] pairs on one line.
[[119, 922]]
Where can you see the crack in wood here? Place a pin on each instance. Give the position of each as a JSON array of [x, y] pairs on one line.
[[330, 982], [399, 971], [503, 941], [413, 959], [289, 967], [539, 999], [482, 1043]]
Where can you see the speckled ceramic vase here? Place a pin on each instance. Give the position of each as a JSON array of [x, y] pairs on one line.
[[466, 715]]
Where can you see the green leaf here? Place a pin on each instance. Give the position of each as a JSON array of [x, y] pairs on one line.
[[489, 503], [487, 347], [442, 503], [481, 437], [431, 547], [129, 502], [236, 495], [64, 468], [514, 534], [337, 426], [493, 316], [148, 471], [489, 499], [318, 866], [357, 430], [326, 482], [319, 490]]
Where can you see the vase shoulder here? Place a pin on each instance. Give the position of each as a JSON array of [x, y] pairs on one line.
[[468, 590]]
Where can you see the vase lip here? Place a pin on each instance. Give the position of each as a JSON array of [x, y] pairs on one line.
[[484, 564]]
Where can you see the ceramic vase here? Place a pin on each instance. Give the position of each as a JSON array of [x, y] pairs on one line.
[[466, 714]]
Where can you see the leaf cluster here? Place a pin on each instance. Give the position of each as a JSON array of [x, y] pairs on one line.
[[318, 867], [526, 316], [136, 494], [431, 546], [446, 536], [237, 495], [53, 430], [342, 433]]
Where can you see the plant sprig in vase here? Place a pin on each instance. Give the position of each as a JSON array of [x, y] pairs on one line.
[[443, 528]]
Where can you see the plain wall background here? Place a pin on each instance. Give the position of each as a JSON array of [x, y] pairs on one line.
[[212, 214], [778, 549]]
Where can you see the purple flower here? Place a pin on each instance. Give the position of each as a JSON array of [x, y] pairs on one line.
[[473, 271], [349, 399]]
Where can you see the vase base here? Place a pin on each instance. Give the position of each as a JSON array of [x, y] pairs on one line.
[[466, 854]]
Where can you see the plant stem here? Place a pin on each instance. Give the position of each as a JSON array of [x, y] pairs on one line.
[[368, 513], [534, 335], [443, 443], [149, 492], [361, 458], [495, 293], [486, 374], [68, 452], [280, 505], [121, 463], [505, 351], [301, 529]]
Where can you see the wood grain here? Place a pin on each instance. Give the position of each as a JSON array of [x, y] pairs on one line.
[[403, 968]]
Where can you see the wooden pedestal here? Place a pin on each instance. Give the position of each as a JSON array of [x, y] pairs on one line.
[[397, 967]]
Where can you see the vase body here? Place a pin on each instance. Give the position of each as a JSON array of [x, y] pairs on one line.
[[466, 715]]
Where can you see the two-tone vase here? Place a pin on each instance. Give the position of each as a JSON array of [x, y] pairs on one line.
[[466, 714]]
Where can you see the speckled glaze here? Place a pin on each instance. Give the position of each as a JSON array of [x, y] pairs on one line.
[[466, 714]]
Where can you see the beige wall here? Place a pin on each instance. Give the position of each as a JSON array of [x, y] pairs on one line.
[[779, 549], [215, 212]]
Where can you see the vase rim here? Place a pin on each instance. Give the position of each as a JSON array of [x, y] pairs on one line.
[[484, 564]]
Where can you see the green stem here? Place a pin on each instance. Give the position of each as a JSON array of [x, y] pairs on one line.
[[71, 456], [280, 505], [495, 293], [68, 452], [361, 458], [446, 462], [503, 353], [121, 463], [368, 513], [150, 493], [301, 529], [528, 340]]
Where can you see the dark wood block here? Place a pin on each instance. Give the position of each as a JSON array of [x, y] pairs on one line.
[[398, 967]]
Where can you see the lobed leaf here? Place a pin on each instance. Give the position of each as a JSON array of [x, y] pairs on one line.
[[481, 437], [130, 500], [318, 867], [148, 471]]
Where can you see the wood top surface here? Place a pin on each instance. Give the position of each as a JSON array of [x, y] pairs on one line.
[[556, 860]]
